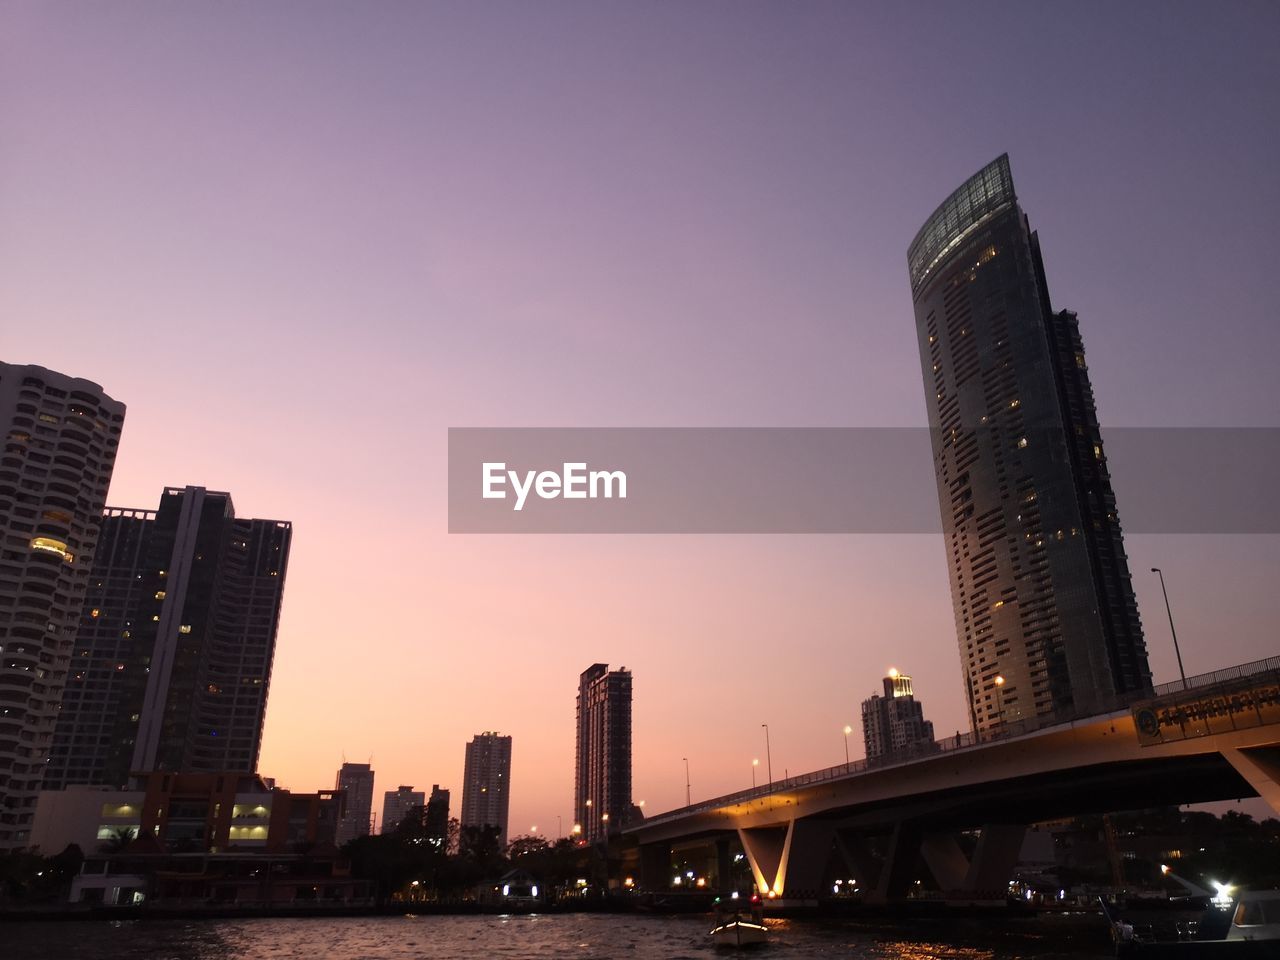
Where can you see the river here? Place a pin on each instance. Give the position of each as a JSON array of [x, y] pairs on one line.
[[576, 936]]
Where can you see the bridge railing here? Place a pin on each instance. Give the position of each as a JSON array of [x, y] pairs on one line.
[[1218, 676], [961, 741]]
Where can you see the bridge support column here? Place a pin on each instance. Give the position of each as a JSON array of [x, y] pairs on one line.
[[898, 872], [724, 865], [995, 858], [655, 866], [1260, 766], [805, 859], [863, 864], [766, 850], [945, 860]]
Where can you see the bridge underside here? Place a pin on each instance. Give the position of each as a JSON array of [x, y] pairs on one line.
[[793, 842]]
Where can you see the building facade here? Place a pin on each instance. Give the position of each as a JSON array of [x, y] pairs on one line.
[[172, 662], [396, 805], [486, 783], [602, 779], [61, 436], [893, 725], [355, 780], [1040, 582]]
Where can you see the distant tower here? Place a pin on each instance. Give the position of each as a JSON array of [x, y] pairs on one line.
[[60, 440], [172, 661], [486, 783], [356, 779], [396, 805], [893, 725], [602, 783], [438, 817], [1040, 583]]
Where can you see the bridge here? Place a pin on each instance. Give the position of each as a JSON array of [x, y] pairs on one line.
[[1211, 737]]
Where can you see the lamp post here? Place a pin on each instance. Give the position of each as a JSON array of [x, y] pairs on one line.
[[768, 753], [754, 763], [687, 801], [847, 730], [1169, 611], [559, 826], [1000, 700]]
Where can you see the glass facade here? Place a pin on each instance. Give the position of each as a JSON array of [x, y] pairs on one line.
[[1045, 615]]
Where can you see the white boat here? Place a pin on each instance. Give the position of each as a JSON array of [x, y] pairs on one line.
[[732, 929]]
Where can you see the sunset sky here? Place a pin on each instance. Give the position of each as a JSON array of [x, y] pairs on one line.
[[302, 240]]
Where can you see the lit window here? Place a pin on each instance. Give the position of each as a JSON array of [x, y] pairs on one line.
[[185, 628], [1022, 442], [159, 594], [50, 545]]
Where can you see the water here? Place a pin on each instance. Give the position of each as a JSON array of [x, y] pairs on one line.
[[572, 936]]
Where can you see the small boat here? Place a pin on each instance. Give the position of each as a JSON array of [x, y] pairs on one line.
[[732, 929], [1233, 928]]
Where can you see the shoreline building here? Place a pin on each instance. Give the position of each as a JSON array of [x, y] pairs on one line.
[[893, 725], [355, 780], [486, 784], [602, 780], [396, 805], [61, 435], [1040, 583], [172, 660]]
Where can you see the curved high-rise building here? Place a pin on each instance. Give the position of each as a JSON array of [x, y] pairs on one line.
[[61, 435], [1045, 614]]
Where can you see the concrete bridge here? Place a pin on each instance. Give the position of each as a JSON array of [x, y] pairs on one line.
[[1213, 737]]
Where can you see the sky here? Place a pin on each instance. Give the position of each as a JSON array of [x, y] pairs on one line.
[[302, 240]]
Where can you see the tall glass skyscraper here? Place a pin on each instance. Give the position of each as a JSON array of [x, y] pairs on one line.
[[1044, 607]]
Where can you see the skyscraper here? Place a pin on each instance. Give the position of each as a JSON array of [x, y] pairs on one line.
[[893, 725], [486, 783], [61, 435], [602, 780], [356, 780], [1040, 582], [172, 662], [396, 805]]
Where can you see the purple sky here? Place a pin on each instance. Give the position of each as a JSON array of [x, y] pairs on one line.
[[301, 240]]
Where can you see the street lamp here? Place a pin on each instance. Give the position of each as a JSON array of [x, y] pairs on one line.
[[999, 699], [768, 753], [847, 730], [754, 763], [1169, 611], [687, 801]]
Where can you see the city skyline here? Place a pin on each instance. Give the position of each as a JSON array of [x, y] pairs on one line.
[[442, 248]]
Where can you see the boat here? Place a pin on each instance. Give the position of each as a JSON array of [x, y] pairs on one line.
[[1233, 927], [732, 929]]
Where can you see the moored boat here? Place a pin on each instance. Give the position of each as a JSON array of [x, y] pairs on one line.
[[1235, 927]]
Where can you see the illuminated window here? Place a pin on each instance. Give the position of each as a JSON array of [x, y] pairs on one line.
[[159, 594], [50, 545], [185, 628], [1022, 442]]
